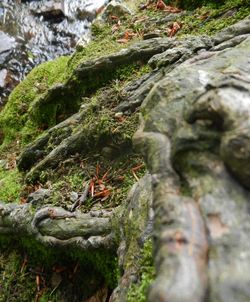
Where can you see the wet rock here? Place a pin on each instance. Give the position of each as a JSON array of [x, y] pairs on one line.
[[7, 43], [82, 9], [42, 31], [3, 75], [49, 9]]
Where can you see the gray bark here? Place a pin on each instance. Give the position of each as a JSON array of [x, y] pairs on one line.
[[195, 139]]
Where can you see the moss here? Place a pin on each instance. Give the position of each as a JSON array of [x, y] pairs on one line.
[[14, 118], [89, 269], [102, 44], [138, 292], [104, 262], [10, 185], [210, 18], [15, 284], [191, 4]]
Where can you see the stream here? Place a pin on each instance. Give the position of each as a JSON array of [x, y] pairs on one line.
[[32, 32]]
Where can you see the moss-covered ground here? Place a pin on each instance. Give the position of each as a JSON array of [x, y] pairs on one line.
[[110, 157], [30, 273]]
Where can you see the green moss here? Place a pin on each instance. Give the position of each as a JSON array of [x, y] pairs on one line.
[[15, 284], [82, 273], [10, 185], [138, 292], [191, 4], [210, 18], [104, 262], [14, 118], [102, 45]]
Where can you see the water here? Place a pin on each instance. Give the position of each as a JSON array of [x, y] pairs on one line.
[[35, 31]]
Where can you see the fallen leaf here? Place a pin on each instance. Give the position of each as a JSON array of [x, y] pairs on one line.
[[174, 29], [167, 8], [172, 9]]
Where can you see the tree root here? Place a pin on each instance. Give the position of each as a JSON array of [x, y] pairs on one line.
[[57, 227]]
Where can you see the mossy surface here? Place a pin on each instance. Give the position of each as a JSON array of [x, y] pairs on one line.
[[34, 273], [10, 185], [15, 283], [211, 18], [14, 118], [138, 291]]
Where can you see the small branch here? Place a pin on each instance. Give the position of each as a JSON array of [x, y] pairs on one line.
[[82, 198]]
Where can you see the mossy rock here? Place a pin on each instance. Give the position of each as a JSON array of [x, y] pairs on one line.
[[15, 118]]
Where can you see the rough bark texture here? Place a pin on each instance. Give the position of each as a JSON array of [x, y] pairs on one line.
[[195, 138], [57, 227]]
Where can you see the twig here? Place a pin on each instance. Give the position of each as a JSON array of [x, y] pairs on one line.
[[82, 198], [135, 176]]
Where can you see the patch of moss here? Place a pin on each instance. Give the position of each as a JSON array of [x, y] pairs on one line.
[[15, 284], [138, 291], [10, 185], [212, 18], [14, 118], [81, 273], [104, 262], [191, 4]]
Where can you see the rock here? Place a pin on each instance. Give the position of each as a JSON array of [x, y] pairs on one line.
[[115, 8], [38, 197], [48, 9], [3, 76], [82, 9], [118, 115], [43, 30], [73, 196], [171, 18], [108, 152], [237, 29], [7, 43]]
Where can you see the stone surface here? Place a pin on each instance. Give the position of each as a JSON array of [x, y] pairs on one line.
[[48, 9], [36, 31], [3, 75], [115, 8]]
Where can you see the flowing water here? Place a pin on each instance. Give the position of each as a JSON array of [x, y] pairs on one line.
[[35, 31]]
